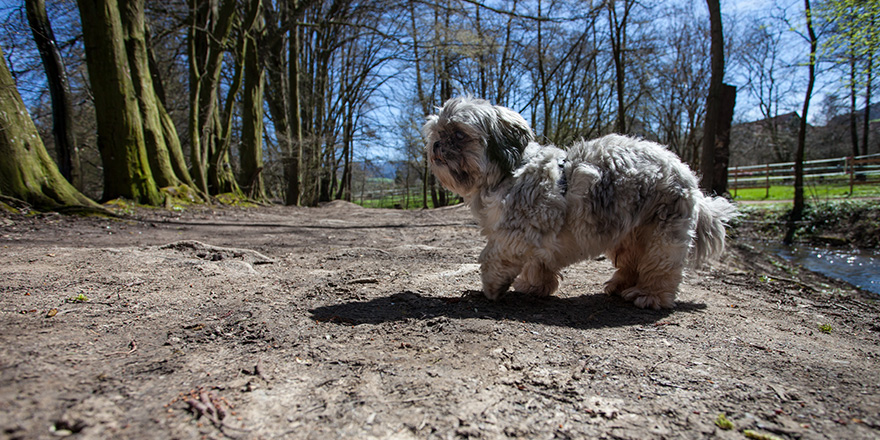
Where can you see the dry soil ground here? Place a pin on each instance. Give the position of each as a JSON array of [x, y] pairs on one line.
[[343, 322]]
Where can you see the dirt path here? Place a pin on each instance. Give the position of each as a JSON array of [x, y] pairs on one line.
[[342, 322]]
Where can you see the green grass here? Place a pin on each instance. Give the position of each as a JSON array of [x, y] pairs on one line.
[[811, 191], [395, 203], [398, 201]]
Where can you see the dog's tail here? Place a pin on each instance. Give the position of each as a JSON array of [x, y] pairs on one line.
[[713, 214]]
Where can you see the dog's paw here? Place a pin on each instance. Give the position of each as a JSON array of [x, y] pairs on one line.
[[654, 300], [541, 290], [617, 285], [492, 295], [494, 291]]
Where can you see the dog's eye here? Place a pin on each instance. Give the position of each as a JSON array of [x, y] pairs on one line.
[[459, 135]]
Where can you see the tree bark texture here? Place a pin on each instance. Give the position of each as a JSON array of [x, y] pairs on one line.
[[618, 53], [210, 27], [869, 79], [853, 124], [63, 127], [26, 170], [132, 14], [713, 101], [120, 136], [294, 164], [252, 108], [797, 211], [722, 139]]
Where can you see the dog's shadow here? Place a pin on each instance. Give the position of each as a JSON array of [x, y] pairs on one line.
[[583, 312]]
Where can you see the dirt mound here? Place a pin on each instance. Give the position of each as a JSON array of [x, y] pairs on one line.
[[341, 204], [284, 322]]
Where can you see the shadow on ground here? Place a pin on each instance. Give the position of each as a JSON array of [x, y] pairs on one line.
[[582, 312]]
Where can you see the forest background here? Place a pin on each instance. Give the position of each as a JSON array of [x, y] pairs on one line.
[[306, 101]]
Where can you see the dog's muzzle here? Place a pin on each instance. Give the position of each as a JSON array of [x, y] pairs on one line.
[[440, 152]]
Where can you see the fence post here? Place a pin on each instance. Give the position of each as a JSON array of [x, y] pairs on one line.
[[767, 194], [735, 180], [850, 167]]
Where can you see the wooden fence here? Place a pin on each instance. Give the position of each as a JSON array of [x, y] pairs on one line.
[[840, 170]]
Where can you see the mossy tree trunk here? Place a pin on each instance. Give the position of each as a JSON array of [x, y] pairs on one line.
[[294, 165], [160, 136], [132, 14], [59, 90], [120, 134], [26, 170], [210, 27], [252, 102]]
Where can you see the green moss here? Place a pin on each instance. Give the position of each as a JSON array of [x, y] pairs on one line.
[[723, 422], [10, 209], [233, 199], [754, 435], [120, 206]]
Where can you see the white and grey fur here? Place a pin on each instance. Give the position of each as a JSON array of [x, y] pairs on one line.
[[543, 208]]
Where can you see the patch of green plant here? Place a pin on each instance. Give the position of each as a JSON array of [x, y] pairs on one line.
[[120, 206], [79, 298], [755, 435], [787, 268], [233, 199], [825, 328], [7, 208], [829, 222], [179, 197], [723, 422]]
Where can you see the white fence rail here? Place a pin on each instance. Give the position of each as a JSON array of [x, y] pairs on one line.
[[851, 170]]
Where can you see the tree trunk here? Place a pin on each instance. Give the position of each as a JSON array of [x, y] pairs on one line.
[[542, 77], [209, 32], [866, 128], [26, 170], [424, 105], [294, 169], [618, 53], [853, 124], [713, 101], [252, 111], [132, 14], [59, 89], [221, 179], [722, 139], [797, 211], [120, 135], [172, 139]]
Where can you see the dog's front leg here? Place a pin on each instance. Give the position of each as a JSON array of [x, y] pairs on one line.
[[498, 271]]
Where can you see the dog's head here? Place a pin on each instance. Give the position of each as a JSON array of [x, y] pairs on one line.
[[472, 143]]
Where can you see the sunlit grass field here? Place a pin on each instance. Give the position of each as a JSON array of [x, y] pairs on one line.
[[814, 193], [811, 192]]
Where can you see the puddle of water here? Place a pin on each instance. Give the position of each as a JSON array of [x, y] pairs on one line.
[[859, 267]]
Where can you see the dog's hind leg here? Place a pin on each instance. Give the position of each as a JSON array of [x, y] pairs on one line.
[[659, 274], [626, 257], [537, 279]]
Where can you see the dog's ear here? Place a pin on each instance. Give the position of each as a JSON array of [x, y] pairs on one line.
[[428, 128], [508, 139]]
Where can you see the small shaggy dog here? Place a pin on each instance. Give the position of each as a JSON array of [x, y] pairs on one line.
[[543, 208]]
